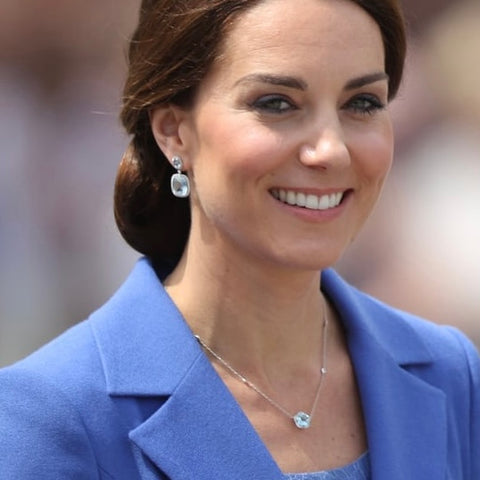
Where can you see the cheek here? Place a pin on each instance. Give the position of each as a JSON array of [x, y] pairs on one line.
[[375, 155], [231, 145]]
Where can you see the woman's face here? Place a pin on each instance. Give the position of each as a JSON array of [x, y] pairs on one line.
[[289, 141]]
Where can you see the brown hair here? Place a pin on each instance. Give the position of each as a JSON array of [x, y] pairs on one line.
[[171, 50]]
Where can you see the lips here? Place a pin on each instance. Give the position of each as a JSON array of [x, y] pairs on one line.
[[308, 200]]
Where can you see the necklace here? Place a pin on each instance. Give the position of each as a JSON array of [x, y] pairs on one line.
[[301, 419]]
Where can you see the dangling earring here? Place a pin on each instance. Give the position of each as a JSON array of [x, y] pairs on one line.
[[179, 182]]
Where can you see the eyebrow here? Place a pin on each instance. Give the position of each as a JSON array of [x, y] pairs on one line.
[[299, 84], [282, 80], [365, 80]]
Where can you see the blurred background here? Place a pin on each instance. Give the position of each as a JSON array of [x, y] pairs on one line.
[[62, 64]]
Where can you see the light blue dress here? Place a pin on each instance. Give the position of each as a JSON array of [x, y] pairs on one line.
[[358, 470]]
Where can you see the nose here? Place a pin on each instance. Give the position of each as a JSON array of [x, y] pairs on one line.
[[326, 148]]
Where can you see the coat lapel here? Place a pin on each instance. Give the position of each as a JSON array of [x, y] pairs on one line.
[[406, 420], [197, 431], [405, 417], [201, 433]]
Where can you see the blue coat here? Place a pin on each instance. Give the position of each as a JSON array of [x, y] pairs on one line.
[[129, 394]]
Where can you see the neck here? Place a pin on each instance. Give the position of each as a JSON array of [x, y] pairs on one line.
[[264, 320]]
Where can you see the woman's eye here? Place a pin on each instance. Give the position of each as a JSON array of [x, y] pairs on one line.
[[365, 104], [273, 104]]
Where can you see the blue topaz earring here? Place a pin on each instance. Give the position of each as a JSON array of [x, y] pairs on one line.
[[179, 182]]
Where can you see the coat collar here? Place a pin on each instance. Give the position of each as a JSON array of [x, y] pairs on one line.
[[145, 346], [200, 432], [405, 417], [364, 316]]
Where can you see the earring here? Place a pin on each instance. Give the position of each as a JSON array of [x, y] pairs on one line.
[[179, 183]]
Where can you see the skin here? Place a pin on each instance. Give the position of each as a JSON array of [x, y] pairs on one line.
[[296, 102]]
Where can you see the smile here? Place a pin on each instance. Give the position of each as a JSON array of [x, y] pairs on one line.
[[308, 200]]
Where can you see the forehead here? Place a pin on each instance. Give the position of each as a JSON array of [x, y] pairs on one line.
[[280, 29]]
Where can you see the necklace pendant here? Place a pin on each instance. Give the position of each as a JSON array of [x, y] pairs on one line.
[[302, 420]]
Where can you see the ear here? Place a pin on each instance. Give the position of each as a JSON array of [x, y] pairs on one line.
[[167, 124]]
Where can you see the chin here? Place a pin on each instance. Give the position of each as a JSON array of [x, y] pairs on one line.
[[308, 260]]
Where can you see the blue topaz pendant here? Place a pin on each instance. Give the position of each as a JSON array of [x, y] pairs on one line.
[[302, 420]]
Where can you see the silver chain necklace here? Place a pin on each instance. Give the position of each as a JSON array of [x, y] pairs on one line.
[[301, 419]]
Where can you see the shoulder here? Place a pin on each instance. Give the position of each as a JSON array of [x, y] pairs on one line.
[[408, 338], [38, 415], [69, 361], [445, 344], [55, 404], [74, 361], [392, 325]]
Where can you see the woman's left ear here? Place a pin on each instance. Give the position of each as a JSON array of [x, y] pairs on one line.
[[167, 124]]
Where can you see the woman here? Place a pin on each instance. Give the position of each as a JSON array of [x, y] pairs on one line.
[[226, 355]]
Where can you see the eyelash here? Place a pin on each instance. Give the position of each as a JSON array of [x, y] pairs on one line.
[[369, 104], [364, 104], [264, 104]]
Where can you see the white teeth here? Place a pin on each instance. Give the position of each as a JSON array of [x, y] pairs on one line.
[[291, 198], [301, 199], [334, 199], [312, 202], [324, 202]]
